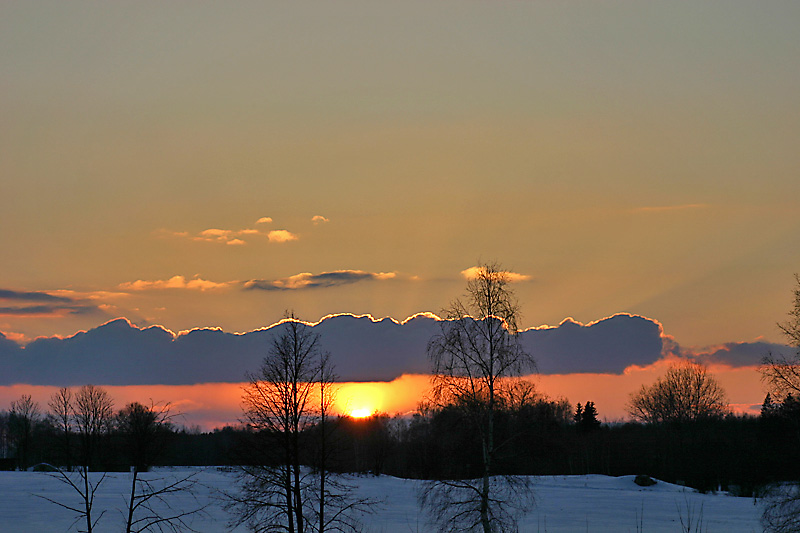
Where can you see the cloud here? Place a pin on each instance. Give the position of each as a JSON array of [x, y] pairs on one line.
[[513, 277], [47, 310], [175, 282], [52, 305], [225, 236], [668, 208], [89, 295], [734, 354], [319, 219], [281, 235], [236, 237], [363, 348], [31, 296], [307, 280]]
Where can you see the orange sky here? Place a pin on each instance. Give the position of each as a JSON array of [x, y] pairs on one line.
[[190, 165], [212, 405]]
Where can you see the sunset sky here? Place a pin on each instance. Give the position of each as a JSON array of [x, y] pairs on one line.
[[205, 164]]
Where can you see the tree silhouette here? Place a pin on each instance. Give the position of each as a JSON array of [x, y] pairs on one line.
[[687, 392], [782, 372], [281, 406], [472, 357]]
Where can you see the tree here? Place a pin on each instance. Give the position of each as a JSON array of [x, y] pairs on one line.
[[144, 431], [782, 372], [280, 408], [61, 411], [92, 417], [586, 417], [23, 417], [781, 508], [472, 358], [687, 392]]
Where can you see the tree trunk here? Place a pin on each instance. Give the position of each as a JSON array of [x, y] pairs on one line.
[[86, 499], [131, 501]]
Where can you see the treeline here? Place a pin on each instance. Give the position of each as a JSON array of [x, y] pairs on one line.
[[541, 437]]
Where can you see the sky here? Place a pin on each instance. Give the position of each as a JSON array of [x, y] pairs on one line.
[[199, 165]]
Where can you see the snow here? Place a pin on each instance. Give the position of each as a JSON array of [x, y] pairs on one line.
[[591, 503]]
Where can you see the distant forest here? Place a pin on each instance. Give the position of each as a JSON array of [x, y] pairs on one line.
[[541, 437]]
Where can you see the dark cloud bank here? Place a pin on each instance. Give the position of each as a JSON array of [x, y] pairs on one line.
[[118, 353]]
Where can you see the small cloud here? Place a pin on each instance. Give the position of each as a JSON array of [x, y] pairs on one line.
[[513, 277], [319, 219], [56, 303], [281, 235], [668, 208], [307, 280], [215, 235], [31, 296], [19, 338], [236, 237], [48, 310], [175, 282], [89, 295]]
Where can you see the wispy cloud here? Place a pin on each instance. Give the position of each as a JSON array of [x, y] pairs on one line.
[[319, 219], [513, 277], [307, 280], [175, 282], [264, 220], [31, 296], [40, 303], [668, 208]]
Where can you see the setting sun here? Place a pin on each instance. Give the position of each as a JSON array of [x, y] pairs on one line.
[[360, 413]]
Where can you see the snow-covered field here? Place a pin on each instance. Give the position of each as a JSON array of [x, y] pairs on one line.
[[564, 504]]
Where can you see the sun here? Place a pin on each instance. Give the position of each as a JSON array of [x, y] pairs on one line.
[[362, 412], [359, 400]]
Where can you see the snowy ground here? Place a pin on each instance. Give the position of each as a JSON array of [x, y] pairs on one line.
[[564, 504]]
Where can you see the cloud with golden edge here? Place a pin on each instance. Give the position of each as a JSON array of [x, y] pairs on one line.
[[175, 282], [235, 237], [319, 219], [513, 277], [281, 235], [307, 280]]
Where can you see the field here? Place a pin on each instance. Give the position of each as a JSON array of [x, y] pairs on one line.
[[564, 504]]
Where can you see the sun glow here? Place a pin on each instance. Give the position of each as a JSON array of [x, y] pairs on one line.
[[360, 413], [360, 400]]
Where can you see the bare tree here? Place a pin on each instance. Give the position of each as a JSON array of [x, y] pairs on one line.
[[92, 416], [782, 372], [277, 492], [687, 392], [473, 357], [277, 405], [61, 412], [335, 506], [144, 431], [23, 416]]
